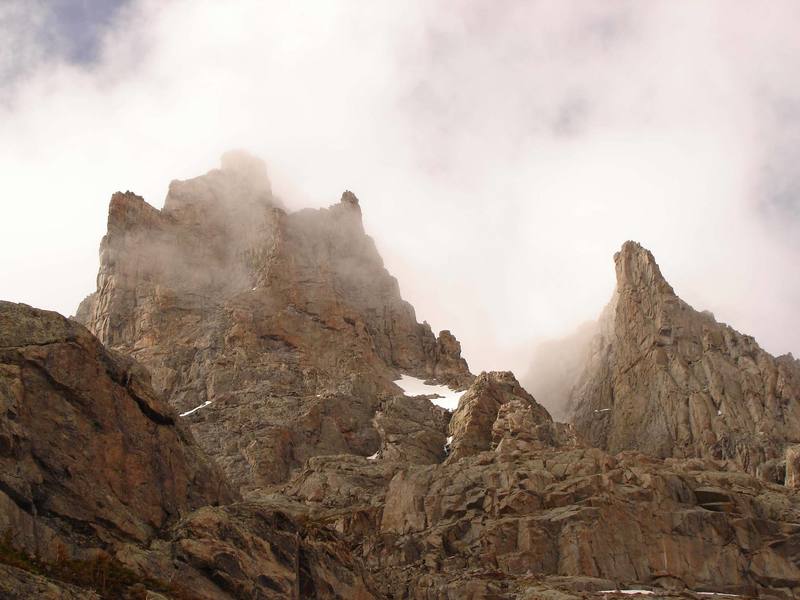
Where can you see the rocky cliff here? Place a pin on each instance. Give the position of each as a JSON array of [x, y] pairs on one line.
[[237, 433], [284, 327], [530, 512], [105, 489], [667, 380], [86, 447], [103, 486]]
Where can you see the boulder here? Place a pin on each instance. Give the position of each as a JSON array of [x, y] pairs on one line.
[[496, 409]]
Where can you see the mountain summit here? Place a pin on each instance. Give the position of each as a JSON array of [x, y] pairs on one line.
[[284, 327], [668, 380], [252, 414]]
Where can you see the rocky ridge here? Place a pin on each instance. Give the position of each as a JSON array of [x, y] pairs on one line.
[[285, 327], [87, 450], [273, 339], [99, 476], [667, 380], [535, 513]]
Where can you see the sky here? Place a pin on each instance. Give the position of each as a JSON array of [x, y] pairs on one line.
[[502, 151]]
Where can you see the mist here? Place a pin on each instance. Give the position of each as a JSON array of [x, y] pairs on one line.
[[501, 152]]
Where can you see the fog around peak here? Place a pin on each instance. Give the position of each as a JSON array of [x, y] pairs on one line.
[[501, 153], [247, 168]]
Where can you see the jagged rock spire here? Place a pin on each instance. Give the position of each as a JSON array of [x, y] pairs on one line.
[[637, 268], [668, 380], [274, 323]]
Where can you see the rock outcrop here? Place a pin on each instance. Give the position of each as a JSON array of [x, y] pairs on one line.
[[583, 513], [412, 430], [86, 447], [102, 485], [667, 380], [285, 327], [497, 410], [529, 512], [513, 525], [19, 583], [274, 338], [253, 551]]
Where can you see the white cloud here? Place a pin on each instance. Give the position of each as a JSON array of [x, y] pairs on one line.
[[502, 152]]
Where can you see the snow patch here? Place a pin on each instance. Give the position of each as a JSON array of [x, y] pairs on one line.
[[413, 386], [188, 412], [599, 410], [374, 456]]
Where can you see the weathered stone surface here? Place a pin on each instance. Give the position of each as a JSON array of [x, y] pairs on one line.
[[287, 332], [16, 584], [793, 467], [87, 450], [670, 381], [250, 551], [494, 410], [287, 324], [447, 365], [488, 522], [412, 430], [94, 465], [505, 520]]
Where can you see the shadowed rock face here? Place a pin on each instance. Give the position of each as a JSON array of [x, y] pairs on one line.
[[288, 324], [668, 380], [253, 551], [86, 447], [18, 583], [93, 464]]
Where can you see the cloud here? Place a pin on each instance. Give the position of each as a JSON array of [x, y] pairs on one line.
[[501, 152], [21, 26]]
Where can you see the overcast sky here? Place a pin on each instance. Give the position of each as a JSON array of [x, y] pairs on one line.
[[502, 151]]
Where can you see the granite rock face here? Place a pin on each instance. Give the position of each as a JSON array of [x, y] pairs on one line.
[[497, 410], [18, 583], [583, 513], [273, 339], [667, 380], [253, 551], [412, 430], [550, 520], [96, 469], [285, 327], [86, 447], [528, 511]]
